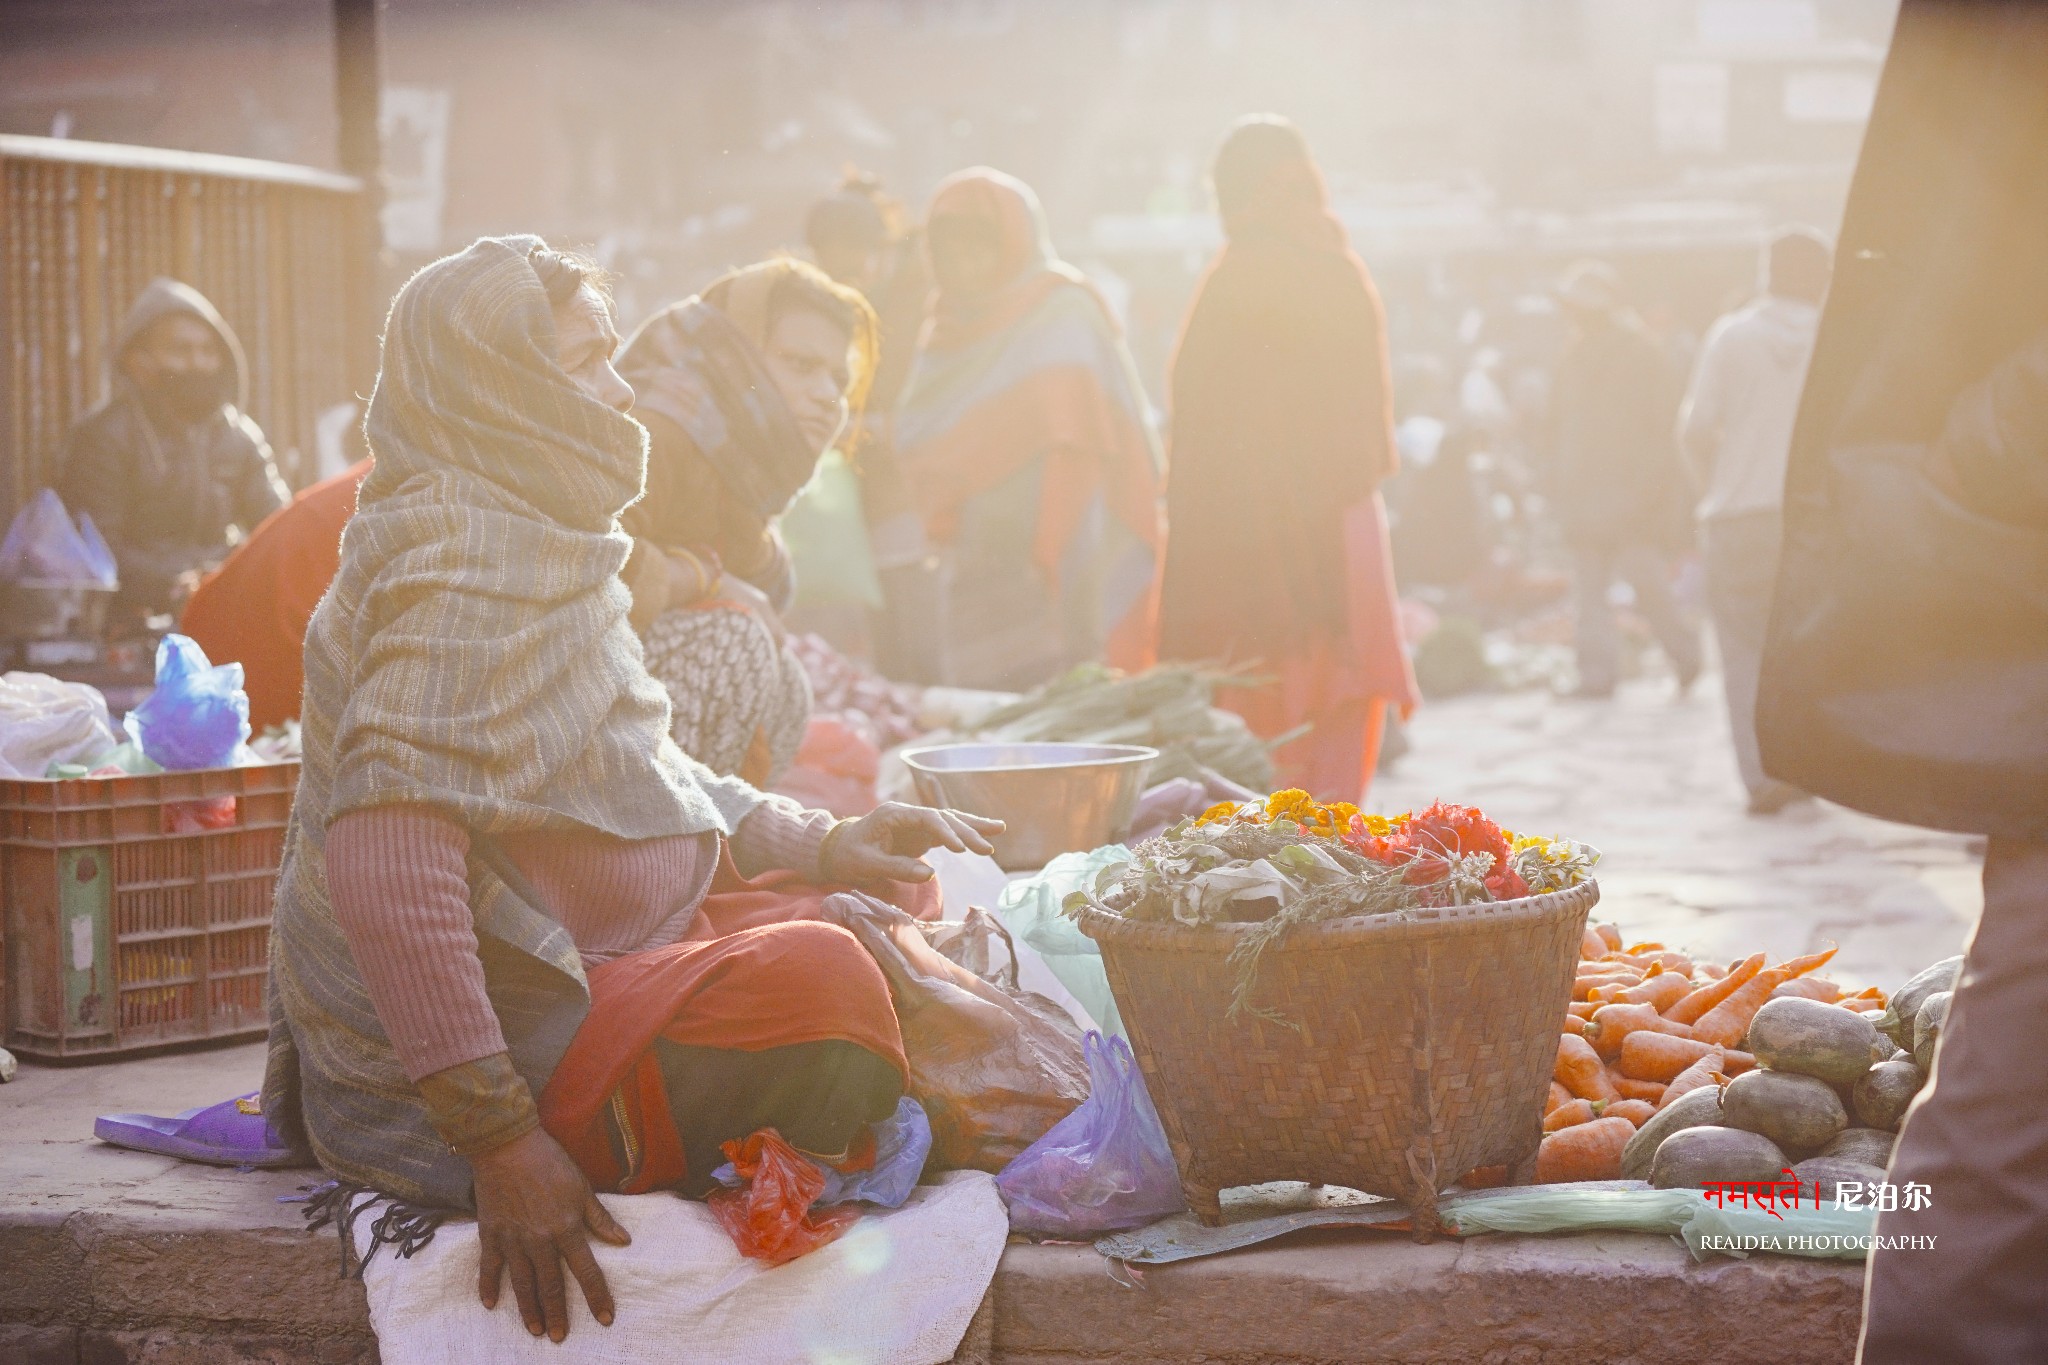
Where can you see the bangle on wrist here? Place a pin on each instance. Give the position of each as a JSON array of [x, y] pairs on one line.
[[826, 846]]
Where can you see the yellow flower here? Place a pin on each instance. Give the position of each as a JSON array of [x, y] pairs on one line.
[[1222, 810]]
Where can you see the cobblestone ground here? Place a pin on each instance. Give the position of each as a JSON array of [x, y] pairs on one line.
[[1650, 781]]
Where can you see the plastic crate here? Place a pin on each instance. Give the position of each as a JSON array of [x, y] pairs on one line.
[[122, 937]]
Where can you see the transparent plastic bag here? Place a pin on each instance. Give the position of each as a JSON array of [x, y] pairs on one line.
[[198, 716], [44, 546], [1105, 1167], [769, 1217], [1030, 909]]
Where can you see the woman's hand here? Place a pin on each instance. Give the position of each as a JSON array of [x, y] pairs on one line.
[[534, 1213], [885, 845]]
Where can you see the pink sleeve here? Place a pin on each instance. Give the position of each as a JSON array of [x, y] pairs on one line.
[[398, 877], [780, 835]]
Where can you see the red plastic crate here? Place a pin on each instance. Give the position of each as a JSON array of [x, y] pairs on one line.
[[121, 937]]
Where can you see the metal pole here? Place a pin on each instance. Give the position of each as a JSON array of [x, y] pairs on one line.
[[358, 82]]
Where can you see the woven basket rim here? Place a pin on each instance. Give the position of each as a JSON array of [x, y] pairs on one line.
[[1431, 922]]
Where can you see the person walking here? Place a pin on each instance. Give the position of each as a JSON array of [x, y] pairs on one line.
[[1282, 431], [1906, 669], [1735, 431], [1616, 481]]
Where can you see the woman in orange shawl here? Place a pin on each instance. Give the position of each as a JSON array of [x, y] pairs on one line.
[[1024, 436], [1281, 433]]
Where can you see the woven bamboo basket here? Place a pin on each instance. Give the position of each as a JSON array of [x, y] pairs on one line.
[[1425, 1047]]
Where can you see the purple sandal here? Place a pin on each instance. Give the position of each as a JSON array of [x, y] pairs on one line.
[[231, 1133]]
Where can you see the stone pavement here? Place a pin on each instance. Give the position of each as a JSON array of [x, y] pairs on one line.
[[1650, 782]]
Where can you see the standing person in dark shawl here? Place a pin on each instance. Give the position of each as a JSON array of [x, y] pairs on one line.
[[1281, 434], [742, 389], [513, 956], [1026, 441]]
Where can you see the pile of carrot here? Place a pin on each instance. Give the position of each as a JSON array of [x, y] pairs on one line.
[[1645, 1025]]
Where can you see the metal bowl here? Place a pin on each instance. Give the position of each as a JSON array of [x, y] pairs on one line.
[[1054, 798]]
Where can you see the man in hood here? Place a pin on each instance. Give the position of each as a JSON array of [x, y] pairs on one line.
[[1736, 431], [170, 467]]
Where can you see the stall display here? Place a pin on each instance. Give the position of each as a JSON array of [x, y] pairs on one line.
[[1314, 993]]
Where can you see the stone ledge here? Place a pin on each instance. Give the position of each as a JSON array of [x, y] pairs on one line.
[[109, 1256]]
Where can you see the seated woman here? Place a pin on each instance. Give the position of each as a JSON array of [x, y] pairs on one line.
[[1024, 438], [514, 957], [742, 388]]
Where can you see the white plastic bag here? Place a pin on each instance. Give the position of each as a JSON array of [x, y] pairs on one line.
[[44, 721]]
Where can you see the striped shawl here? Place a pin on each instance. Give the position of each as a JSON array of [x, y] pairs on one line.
[[472, 656]]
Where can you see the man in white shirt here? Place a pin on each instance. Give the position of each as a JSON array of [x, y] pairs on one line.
[[1736, 431]]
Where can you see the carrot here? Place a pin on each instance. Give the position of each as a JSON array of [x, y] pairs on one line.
[[1660, 991], [1694, 1006], [1582, 1009], [1800, 966], [1558, 1095], [1578, 1069], [1632, 1089], [1591, 944], [1584, 986], [1573, 1024], [1635, 1111], [1728, 1021], [1587, 1151], [1610, 934], [1485, 1178], [1705, 1071], [1612, 1023], [1810, 988], [1647, 1056], [1566, 1115], [1711, 970]]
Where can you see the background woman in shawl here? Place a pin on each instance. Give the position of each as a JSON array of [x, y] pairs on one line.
[[513, 956], [1024, 437], [1281, 433], [742, 388]]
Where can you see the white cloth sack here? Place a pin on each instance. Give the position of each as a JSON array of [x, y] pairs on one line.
[[44, 721], [897, 1289]]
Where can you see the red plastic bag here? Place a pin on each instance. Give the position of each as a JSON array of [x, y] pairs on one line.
[[769, 1217]]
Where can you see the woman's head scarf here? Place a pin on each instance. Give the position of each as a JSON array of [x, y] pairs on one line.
[[702, 365], [1026, 269], [473, 654]]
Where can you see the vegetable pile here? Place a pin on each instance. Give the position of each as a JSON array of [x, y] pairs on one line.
[[1289, 860], [839, 687], [1684, 1073], [1168, 708]]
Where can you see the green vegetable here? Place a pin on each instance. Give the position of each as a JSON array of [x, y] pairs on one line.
[[1897, 1023], [1927, 1028], [1814, 1039], [1866, 1145], [1883, 1092], [1168, 708], [1798, 1113], [1693, 1109], [1697, 1156]]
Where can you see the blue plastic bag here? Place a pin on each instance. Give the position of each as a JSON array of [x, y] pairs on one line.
[[198, 714], [902, 1142], [43, 545], [1105, 1167]]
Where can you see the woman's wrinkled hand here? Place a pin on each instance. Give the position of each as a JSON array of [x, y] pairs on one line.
[[535, 1213], [887, 843]]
